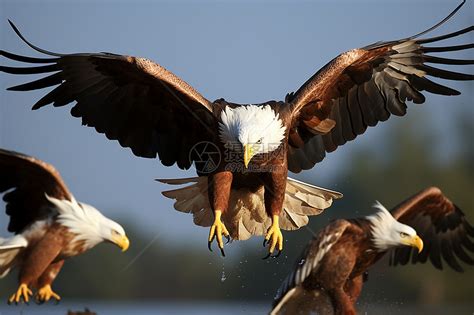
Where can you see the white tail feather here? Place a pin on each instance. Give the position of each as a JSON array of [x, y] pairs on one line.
[[246, 214], [9, 249]]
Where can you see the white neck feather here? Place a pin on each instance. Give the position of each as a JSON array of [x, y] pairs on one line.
[[251, 124], [385, 229], [85, 221]]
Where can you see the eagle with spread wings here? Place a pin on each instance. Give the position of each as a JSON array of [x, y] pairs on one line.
[[243, 152], [331, 270], [49, 224]]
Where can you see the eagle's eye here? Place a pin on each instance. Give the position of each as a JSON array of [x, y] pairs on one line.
[[259, 141], [115, 233], [403, 234]]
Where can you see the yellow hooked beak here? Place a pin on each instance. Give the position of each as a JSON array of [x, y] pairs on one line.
[[248, 154], [417, 242], [122, 242]]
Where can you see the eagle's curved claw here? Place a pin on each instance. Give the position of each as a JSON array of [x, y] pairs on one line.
[[217, 230], [45, 294], [209, 243], [273, 238], [23, 293], [270, 255]]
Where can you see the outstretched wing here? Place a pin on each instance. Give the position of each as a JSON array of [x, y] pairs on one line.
[[27, 180], [441, 225], [311, 257], [133, 100], [363, 86]]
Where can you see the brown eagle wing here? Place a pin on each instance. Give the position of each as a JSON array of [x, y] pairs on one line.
[[442, 226], [363, 86], [27, 180], [133, 100], [312, 256]]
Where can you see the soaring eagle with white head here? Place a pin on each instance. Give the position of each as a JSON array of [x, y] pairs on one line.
[[49, 225], [427, 226], [242, 152]]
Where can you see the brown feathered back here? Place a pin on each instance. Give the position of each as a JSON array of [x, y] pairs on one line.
[[311, 257]]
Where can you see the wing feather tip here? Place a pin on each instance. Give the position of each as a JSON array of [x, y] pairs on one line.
[[37, 106]]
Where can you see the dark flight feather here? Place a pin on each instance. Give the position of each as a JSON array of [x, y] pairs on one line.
[[128, 99], [30, 70], [385, 75], [442, 226], [26, 180]]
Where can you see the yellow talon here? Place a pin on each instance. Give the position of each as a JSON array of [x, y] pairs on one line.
[[22, 293], [217, 230], [274, 233], [46, 293]]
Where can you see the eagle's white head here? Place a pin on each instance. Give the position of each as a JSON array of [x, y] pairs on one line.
[[388, 232], [88, 224], [251, 128]]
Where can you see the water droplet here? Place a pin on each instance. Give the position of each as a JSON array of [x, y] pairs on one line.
[[301, 262], [277, 294], [223, 277]]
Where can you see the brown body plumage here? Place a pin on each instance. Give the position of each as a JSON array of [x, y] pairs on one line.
[[153, 112], [335, 262]]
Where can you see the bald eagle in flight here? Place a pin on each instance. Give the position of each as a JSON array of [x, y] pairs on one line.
[[426, 226], [49, 225], [242, 152]]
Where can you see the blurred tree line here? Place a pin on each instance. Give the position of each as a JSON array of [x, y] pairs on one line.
[[404, 163]]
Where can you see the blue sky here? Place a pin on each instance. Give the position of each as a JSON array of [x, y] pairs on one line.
[[247, 52]]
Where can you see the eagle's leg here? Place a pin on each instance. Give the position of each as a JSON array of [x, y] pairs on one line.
[[37, 261], [45, 292], [23, 293], [274, 237], [219, 192], [274, 195], [217, 230]]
